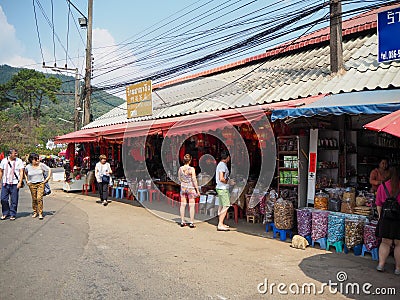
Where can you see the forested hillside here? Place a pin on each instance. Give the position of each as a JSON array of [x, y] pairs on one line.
[[13, 121]]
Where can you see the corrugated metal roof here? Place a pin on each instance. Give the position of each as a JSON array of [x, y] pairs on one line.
[[301, 74]]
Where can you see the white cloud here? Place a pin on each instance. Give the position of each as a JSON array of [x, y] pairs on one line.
[[108, 56], [11, 49]]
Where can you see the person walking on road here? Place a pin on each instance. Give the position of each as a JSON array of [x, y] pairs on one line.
[[11, 172], [189, 189], [102, 173], [223, 182], [388, 229], [35, 177]]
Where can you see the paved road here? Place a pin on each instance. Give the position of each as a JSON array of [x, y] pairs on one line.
[[83, 250]]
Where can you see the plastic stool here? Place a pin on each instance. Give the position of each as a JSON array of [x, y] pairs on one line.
[[85, 188], [237, 212], [338, 246], [374, 252], [357, 249], [252, 219], [93, 188], [282, 233], [151, 192], [119, 192], [142, 195], [321, 242], [308, 238], [268, 225], [169, 195], [176, 197]]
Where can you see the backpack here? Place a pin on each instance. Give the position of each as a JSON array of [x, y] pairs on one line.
[[391, 207]]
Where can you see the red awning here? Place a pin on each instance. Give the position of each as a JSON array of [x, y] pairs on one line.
[[389, 124], [190, 124]]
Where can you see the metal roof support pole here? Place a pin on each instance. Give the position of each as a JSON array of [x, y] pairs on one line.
[[336, 46]]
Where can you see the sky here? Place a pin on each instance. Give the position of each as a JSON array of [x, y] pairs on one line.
[[153, 24]]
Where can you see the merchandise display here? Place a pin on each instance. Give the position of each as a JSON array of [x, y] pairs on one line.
[[371, 241], [304, 221], [336, 224], [269, 204], [319, 227], [321, 201], [283, 214], [354, 231]]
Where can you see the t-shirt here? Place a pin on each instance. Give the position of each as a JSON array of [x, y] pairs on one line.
[[35, 174], [381, 194], [102, 169], [221, 167], [8, 173]]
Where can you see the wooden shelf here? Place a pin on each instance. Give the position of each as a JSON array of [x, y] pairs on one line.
[[327, 149], [294, 153], [288, 169], [288, 184]]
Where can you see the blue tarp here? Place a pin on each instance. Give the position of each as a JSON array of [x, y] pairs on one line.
[[369, 102]]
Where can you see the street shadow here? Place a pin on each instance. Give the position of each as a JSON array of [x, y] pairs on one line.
[[353, 276]]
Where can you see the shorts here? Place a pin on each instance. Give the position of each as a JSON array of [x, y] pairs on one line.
[[189, 193], [223, 197]]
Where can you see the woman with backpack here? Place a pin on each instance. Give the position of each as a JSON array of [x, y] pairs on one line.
[[389, 219]]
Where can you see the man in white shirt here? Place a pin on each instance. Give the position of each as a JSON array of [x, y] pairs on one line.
[[11, 173], [222, 180]]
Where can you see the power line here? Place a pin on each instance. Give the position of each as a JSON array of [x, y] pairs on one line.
[[37, 30]]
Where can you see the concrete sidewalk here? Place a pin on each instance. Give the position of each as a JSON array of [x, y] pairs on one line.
[[83, 250]]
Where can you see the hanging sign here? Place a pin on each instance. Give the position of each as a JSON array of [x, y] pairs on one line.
[[138, 99], [388, 35]]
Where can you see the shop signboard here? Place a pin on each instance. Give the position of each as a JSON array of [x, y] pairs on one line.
[[388, 33], [312, 166], [138, 99]]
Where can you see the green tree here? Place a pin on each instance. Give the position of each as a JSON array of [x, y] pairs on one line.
[[28, 89]]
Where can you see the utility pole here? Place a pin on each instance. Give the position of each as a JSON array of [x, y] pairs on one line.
[[88, 71], [336, 47]]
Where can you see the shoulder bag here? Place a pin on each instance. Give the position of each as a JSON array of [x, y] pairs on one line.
[[15, 174]]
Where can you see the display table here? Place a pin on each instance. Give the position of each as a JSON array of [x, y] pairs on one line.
[[74, 185]]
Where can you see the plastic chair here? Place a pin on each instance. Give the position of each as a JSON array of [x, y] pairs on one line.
[[169, 195], [321, 242], [283, 233], [269, 225], [374, 252], [155, 193], [143, 195], [338, 246], [85, 189]]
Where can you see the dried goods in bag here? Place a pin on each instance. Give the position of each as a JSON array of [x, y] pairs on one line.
[[304, 221], [283, 214], [319, 227], [335, 227], [335, 204], [321, 201], [371, 241], [354, 231]]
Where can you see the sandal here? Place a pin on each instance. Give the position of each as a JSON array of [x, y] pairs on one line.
[[3, 217], [12, 218], [191, 225], [222, 229], [34, 215], [183, 224], [380, 269]]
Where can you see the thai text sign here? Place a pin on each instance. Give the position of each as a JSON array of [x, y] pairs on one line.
[[388, 35], [138, 99]]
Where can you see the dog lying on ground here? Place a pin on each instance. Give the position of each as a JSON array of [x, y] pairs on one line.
[[299, 242]]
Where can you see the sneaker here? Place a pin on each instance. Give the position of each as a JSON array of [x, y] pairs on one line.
[[379, 268], [40, 217], [105, 203], [397, 272], [34, 215]]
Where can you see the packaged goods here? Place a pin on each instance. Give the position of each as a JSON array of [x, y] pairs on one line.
[[354, 231], [371, 241], [319, 228], [334, 204], [321, 201], [283, 214], [361, 200], [336, 227], [304, 221], [347, 207], [270, 200]]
